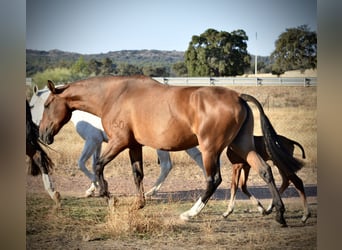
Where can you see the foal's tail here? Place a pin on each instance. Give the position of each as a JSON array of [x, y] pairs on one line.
[[300, 146], [281, 157]]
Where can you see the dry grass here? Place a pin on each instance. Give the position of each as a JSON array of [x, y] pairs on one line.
[[92, 224]]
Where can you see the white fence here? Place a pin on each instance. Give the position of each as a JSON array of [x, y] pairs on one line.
[[238, 81]]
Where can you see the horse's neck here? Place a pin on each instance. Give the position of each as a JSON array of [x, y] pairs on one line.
[[83, 98]]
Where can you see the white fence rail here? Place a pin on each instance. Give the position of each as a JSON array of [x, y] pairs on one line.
[[238, 81]]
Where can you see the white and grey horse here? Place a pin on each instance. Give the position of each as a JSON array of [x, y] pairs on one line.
[[89, 127]]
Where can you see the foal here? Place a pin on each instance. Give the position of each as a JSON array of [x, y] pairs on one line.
[[242, 167]]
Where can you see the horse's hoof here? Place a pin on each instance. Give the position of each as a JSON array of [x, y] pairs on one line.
[[105, 194], [185, 216], [57, 198], [139, 204], [280, 219], [306, 217], [226, 214]]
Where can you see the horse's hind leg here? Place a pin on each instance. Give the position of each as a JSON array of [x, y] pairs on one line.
[[135, 155], [298, 183], [212, 167], [243, 145], [165, 168], [89, 148]]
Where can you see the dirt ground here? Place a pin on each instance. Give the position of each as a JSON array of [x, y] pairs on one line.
[[208, 230]]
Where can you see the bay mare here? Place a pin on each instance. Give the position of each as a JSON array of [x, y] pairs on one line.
[[39, 162], [139, 111], [90, 129]]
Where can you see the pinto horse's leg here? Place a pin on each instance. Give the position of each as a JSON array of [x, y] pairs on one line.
[[89, 149], [135, 155], [165, 168], [196, 155], [213, 173]]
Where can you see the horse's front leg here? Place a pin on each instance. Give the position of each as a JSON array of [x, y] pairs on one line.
[[113, 148], [135, 155]]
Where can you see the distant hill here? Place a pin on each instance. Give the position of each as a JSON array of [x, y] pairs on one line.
[[38, 60]]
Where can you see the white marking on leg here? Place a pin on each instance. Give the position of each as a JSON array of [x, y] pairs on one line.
[[91, 191], [48, 185], [195, 210], [50, 189]]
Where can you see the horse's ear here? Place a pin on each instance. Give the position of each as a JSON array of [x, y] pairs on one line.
[[51, 87]]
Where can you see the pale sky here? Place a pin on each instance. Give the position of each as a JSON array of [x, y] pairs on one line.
[[100, 26]]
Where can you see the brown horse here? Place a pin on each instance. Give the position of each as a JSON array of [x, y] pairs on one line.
[[241, 167], [39, 161], [138, 110]]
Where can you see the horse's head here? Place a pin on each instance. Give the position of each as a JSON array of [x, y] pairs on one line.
[[56, 113]]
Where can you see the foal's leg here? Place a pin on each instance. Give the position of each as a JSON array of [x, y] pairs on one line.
[[135, 155], [236, 172], [213, 173], [165, 168], [298, 183], [243, 186], [243, 145]]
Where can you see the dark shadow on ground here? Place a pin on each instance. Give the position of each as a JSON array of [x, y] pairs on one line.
[[224, 194]]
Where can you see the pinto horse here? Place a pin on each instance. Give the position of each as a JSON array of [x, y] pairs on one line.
[[138, 110], [90, 129], [39, 161]]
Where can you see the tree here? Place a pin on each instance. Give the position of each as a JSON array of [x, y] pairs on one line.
[[107, 66], [179, 68], [155, 71], [216, 53], [296, 48], [80, 68], [125, 69], [94, 67]]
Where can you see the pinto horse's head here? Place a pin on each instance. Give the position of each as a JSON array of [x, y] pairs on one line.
[[56, 113]]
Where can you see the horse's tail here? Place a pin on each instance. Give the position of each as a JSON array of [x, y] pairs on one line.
[[300, 146], [280, 157]]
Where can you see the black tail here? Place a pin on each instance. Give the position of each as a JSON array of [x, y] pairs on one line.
[[300, 146], [280, 157]]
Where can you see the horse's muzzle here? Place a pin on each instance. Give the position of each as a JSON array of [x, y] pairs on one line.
[[46, 137]]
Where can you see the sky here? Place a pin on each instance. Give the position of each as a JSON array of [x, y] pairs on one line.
[[92, 27]]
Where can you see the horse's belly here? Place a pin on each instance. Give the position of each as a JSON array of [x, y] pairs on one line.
[[170, 139]]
